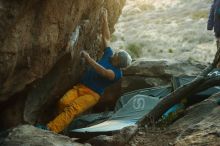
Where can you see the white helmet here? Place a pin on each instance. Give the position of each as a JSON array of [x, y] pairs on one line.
[[125, 59]]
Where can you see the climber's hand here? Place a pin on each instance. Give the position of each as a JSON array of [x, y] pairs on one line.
[[84, 54], [104, 14]]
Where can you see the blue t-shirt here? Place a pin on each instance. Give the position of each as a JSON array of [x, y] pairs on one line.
[[97, 82]]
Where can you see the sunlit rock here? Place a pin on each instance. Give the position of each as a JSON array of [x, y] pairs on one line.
[[36, 67], [29, 135]]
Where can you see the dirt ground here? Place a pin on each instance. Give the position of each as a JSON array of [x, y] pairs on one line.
[[153, 137]]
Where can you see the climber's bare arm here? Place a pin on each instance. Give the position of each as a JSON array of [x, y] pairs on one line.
[[105, 29], [107, 73]]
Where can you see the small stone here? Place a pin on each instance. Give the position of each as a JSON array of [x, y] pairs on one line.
[[141, 133]]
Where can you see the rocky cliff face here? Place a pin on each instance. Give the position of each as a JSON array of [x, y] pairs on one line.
[[35, 66]]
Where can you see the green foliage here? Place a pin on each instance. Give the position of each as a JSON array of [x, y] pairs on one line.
[[146, 7], [134, 49], [199, 14], [191, 59], [113, 38], [122, 38], [121, 47], [170, 50]]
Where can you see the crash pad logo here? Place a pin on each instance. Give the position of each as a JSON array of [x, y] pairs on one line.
[[138, 103]]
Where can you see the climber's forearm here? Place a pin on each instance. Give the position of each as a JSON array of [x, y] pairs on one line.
[[96, 66], [106, 42], [105, 29], [100, 69]]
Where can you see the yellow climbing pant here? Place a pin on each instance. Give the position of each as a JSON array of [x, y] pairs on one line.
[[74, 102]]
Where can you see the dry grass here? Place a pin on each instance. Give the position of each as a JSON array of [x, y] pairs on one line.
[[166, 29], [135, 49], [199, 14]]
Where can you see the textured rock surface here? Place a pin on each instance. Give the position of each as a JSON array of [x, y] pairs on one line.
[[147, 73], [199, 126], [119, 139], [27, 135], [34, 61]]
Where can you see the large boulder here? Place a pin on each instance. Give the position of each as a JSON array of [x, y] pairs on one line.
[[200, 125], [35, 66], [119, 139], [26, 135], [146, 72]]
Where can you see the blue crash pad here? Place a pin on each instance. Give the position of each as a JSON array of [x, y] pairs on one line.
[[138, 106]]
